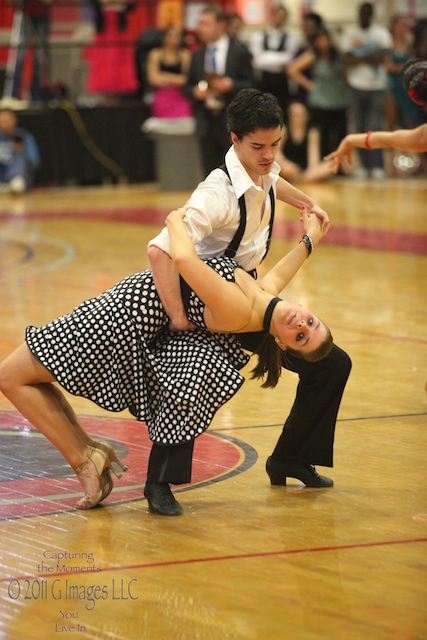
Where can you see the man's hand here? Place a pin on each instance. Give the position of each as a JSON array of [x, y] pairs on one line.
[[181, 323], [322, 216], [312, 225]]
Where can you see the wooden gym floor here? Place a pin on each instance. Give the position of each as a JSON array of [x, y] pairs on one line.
[[246, 560]]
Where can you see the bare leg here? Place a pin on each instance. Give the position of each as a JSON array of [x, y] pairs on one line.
[[69, 412], [318, 173], [28, 385]]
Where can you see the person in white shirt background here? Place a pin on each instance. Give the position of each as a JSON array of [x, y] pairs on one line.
[[364, 47], [272, 50]]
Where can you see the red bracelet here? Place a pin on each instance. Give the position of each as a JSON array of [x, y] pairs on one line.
[[367, 145]]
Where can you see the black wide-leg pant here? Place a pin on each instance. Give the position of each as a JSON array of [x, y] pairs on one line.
[[308, 433]]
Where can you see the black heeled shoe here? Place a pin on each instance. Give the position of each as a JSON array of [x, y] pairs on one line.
[[279, 471]]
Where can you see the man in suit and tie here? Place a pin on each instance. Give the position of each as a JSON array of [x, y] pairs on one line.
[[218, 71]]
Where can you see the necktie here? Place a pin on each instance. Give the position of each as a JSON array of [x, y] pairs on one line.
[[213, 59]]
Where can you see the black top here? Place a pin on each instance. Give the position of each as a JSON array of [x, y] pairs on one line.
[[296, 151]]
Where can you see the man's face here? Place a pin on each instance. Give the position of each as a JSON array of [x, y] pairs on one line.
[[257, 150], [209, 29], [365, 16], [7, 122], [279, 18]]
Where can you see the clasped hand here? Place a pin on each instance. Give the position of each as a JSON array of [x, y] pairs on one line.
[[313, 225]]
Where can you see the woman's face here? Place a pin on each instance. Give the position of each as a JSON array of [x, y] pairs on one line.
[[300, 329], [401, 26], [297, 113], [322, 42], [309, 27], [173, 37]]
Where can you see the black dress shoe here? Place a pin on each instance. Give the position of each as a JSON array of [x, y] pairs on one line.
[[279, 471], [161, 500]]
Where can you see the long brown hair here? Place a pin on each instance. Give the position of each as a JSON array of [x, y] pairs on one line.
[[270, 357]]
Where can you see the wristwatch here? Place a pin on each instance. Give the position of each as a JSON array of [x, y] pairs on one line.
[[308, 243]]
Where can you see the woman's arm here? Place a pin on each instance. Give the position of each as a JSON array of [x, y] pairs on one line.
[[185, 56], [158, 78], [313, 147], [227, 308], [283, 272], [288, 169], [414, 140], [295, 69], [296, 198]]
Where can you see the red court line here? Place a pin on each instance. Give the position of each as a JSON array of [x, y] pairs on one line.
[[360, 238], [338, 235], [242, 556]]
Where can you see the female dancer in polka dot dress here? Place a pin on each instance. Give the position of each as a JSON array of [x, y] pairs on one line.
[[117, 351]]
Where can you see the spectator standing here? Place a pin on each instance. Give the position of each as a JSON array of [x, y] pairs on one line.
[[311, 23], [218, 71], [167, 69], [272, 51], [414, 76], [34, 30], [234, 25], [364, 49], [19, 155], [327, 89], [401, 111], [420, 38]]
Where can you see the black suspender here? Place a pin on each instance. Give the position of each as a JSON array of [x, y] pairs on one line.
[[281, 45], [231, 250], [270, 228]]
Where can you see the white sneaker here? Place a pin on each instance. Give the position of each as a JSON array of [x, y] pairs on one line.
[[17, 185], [378, 174]]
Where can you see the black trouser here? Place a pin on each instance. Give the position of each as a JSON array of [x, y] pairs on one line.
[[277, 84], [308, 433], [215, 144], [332, 124]]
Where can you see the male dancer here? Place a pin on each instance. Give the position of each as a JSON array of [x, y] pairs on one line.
[[255, 123]]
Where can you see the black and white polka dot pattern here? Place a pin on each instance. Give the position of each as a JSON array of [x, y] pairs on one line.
[[116, 350]]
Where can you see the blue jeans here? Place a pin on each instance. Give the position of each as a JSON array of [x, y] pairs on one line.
[[368, 109], [17, 166]]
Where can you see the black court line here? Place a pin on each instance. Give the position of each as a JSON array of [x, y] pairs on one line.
[[27, 250], [250, 458], [363, 418]]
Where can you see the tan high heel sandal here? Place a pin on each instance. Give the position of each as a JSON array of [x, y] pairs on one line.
[[96, 465], [112, 457]]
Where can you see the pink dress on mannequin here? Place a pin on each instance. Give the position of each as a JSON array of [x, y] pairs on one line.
[[111, 59]]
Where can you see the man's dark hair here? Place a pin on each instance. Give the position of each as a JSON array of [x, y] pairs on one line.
[[216, 9], [251, 109]]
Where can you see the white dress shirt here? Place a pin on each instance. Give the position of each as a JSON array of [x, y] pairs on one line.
[[213, 214], [272, 61], [221, 50], [367, 77]]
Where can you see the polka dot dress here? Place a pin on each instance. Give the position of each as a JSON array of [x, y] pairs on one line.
[[117, 351]]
